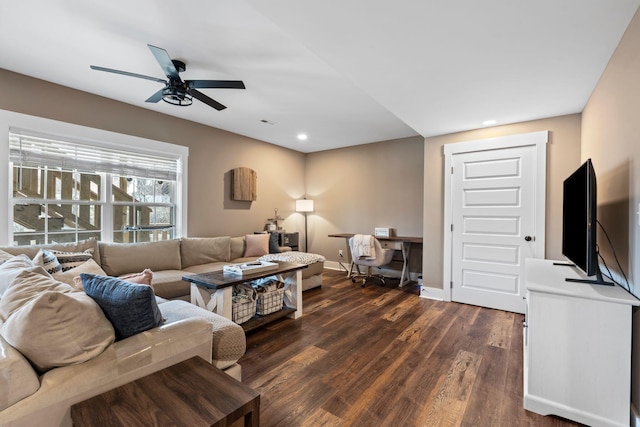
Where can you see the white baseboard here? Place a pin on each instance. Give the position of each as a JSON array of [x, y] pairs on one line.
[[431, 293], [334, 265]]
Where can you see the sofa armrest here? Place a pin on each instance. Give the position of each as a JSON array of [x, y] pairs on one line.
[[229, 341], [121, 363]]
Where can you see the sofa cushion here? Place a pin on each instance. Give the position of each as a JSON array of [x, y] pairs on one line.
[[117, 259], [58, 329], [169, 284], [69, 276], [256, 245], [18, 379], [130, 307], [203, 250], [229, 341], [237, 247], [26, 286]]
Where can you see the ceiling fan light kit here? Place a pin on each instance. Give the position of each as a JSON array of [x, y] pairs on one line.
[[176, 91]]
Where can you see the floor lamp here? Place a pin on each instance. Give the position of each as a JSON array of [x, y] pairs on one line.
[[306, 206]]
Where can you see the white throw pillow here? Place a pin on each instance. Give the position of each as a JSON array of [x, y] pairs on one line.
[[5, 256], [11, 268]]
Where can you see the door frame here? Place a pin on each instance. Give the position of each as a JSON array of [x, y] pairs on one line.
[[539, 140]]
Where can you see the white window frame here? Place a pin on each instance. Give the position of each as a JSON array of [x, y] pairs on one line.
[[98, 137]]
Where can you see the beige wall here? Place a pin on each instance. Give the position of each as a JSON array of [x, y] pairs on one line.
[[359, 188], [212, 153], [611, 138], [355, 189], [563, 156]]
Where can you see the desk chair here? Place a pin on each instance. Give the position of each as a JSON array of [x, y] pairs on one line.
[[358, 246]]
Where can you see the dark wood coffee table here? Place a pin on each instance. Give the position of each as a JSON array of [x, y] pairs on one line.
[[213, 291], [191, 393]]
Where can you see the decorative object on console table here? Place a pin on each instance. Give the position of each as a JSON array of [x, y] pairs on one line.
[[272, 223], [290, 239], [252, 267], [244, 184], [305, 205]]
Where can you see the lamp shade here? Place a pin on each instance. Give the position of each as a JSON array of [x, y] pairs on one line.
[[304, 205]]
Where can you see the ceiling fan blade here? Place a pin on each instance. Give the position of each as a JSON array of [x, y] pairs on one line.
[[165, 62], [156, 97], [215, 84], [204, 98], [126, 73]]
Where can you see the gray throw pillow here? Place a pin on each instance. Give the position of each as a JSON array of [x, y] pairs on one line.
[[274, 245]]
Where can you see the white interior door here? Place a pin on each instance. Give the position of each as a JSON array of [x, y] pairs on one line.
[[493, 213]]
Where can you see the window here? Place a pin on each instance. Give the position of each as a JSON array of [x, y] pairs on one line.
[[66, 190]]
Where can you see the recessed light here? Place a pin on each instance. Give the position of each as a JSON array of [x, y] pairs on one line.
[[489, 122], [302, 136]]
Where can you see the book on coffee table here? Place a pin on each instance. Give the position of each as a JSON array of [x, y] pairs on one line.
[[250, 267]]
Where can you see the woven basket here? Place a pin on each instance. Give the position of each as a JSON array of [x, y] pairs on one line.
[[269, 302], [243, 308]]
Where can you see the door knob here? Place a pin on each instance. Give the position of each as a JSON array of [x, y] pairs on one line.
[[528, 238]]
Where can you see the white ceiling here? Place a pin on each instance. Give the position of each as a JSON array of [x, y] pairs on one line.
[[345, 72]]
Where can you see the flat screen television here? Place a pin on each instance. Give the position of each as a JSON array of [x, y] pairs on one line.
[[579, 222]]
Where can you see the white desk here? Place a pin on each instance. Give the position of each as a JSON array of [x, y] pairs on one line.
[[399, 243]]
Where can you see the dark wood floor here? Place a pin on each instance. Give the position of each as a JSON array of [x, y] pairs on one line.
[[382, 356]]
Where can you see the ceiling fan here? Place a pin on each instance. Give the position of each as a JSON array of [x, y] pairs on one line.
[[177, 91]]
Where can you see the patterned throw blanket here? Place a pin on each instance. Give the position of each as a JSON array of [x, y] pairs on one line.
[[293, 256]]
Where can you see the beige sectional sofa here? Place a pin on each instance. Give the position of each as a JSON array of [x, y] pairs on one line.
[[29, 396]]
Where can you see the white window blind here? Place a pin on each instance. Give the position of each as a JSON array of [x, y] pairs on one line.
[[29, 149]]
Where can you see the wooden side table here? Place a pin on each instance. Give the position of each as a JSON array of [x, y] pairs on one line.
[[191, 393]]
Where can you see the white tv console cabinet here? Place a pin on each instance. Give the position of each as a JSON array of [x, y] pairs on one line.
[[577, 347]]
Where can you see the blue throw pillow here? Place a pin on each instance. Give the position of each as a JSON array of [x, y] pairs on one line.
[[274, 245], [131, 308]]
